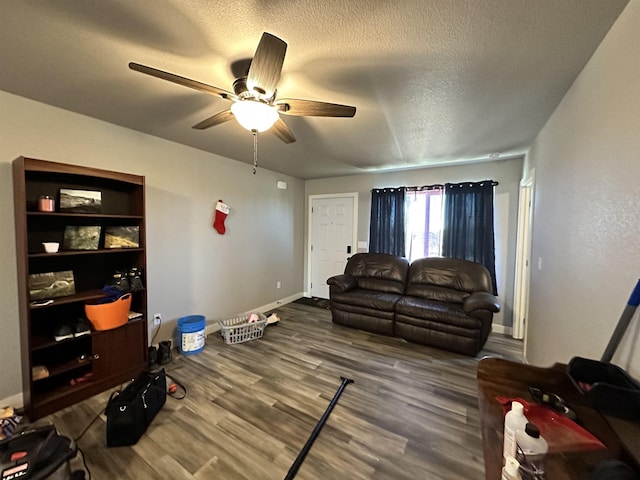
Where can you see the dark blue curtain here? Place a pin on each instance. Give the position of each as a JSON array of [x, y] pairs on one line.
[[468, 224], [386, 227]]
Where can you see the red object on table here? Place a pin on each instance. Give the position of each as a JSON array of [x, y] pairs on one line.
[[499, 377], [561, 433]]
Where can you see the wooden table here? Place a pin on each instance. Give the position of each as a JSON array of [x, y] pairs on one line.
[[499, 377]]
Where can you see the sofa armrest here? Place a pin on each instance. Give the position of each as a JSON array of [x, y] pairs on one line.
[[342, 283], [481, 301]]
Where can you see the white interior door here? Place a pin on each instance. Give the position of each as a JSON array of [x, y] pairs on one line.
[[523, 260], [332, 239]]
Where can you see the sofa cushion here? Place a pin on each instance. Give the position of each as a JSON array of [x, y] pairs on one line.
[[405, 322], [370, 299], [373, 321], [447, 279], [469, 344], [417, 311], [378, 271]]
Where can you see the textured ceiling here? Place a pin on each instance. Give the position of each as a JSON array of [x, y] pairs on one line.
[[434, 81]]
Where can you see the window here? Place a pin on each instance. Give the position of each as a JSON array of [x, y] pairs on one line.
[[424, 223], [453, 220]]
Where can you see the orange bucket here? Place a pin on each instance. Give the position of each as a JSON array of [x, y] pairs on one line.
[[105, 316]]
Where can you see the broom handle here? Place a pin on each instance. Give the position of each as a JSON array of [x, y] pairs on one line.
[[623, 323], [316, 431]]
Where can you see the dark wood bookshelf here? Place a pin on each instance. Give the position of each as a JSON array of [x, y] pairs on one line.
[[108, 357]]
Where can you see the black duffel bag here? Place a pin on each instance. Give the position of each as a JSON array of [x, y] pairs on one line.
[[130, 411]]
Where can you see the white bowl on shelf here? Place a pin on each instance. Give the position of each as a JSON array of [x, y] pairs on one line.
[[51, 247]]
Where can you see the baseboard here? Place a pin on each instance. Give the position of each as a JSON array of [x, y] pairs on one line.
[[215, 326], [14, 401], [501, 329]]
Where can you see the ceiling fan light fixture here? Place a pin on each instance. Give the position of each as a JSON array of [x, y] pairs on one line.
[[254, 93], [254, 115]]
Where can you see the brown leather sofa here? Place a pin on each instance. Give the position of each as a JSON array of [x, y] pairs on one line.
[[440, 302]]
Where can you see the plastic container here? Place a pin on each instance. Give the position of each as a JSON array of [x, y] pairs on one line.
[[531, 450], [191, 331], [46, 204], [511, 468], [239, 329], [607, 387], [105, 316], [514, 420]]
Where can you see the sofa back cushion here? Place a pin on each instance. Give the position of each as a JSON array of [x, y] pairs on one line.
[[379, 271], [447, 279]]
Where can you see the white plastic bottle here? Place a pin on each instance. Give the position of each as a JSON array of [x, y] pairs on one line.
[[514, 420], [510, 471], [531, 449]]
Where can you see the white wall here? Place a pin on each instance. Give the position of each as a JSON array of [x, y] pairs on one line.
[[191, 268], [586, 226], [507, 172]]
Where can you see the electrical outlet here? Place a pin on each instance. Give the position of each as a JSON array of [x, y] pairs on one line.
[[278, 284], [157, 319]]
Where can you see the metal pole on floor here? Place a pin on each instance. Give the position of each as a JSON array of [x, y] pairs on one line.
[[316, 431]]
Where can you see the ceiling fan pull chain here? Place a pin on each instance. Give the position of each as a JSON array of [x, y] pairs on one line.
[[255, 150]]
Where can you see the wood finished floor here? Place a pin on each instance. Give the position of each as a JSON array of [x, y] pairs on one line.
[[411, 414]]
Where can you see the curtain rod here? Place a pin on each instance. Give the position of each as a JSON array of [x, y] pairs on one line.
[[493, 183], [437, 186]]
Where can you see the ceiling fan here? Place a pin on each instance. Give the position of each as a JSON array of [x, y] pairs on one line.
[[255, 105]]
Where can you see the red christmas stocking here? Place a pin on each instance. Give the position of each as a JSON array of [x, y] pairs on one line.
[[222, 210]]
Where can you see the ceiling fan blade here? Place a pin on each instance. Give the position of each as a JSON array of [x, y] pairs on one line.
[[186, 82], [311, 108], [283, 132], [266, 66], [217, 119]]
